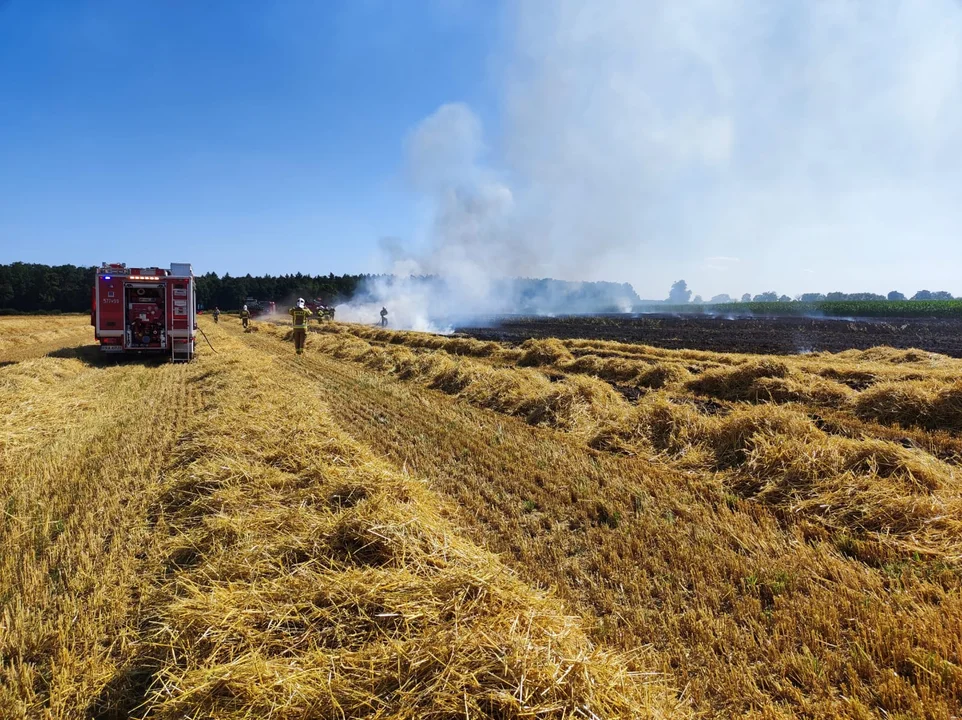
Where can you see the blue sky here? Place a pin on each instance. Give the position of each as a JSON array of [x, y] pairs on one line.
[[242, 136], [743, 145]]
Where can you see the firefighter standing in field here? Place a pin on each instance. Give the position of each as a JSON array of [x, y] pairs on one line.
[[383, 316], [216, 314], [245, 316], [300, 314]]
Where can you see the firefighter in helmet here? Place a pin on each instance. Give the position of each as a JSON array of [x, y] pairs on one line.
[[245, 316], [216, 314], [300, 313], [383, 316]]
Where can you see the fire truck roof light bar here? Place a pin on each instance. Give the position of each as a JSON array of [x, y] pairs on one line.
[[144, 277]]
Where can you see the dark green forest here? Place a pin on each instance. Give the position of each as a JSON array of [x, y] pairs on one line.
[[31, 288], [28, 287]]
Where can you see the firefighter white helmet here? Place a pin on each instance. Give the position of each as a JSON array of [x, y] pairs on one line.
[[300, 303], [245, 307]]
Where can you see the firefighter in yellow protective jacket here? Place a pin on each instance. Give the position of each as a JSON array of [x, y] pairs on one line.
[[300, 314], [245, 316]]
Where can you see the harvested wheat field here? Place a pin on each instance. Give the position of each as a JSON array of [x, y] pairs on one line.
[[24, 337], [204, 541], [403, 525]]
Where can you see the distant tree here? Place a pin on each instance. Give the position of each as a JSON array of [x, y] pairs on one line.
[[697, 300], [679, 294], [942, 295], [747, 297], [865, 296], [922, 295], [836, 296], [724, 298], [895, 296], [784, 298], [770, 296], [812, 297]]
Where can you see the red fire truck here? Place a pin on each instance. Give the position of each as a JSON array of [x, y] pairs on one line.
[[145, 310], [259, 308]]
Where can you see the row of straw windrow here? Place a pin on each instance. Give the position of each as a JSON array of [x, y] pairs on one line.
[[757, 609], [578, 404], [23, 337], [876, 365], [305, 579], [21, 328], [909, 387], [903, 497]]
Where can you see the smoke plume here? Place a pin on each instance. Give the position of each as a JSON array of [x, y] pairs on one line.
[[806, 142]]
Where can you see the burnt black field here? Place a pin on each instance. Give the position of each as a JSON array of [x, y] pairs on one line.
[[764, 335]]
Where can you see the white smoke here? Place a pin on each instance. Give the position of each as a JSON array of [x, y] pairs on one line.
[[823, 134], [641, 138], [471, 240], [410, 305]]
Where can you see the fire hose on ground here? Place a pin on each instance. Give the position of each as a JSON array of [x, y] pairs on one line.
[[206, 338]]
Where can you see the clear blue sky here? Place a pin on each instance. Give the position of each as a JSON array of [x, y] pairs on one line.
[[743, 145], [240, 135]]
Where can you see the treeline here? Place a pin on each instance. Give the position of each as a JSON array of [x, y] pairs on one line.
[[27, 288], [894, 296], [680, 295], [548, 296], [30, 288], [229, 293], [825, 308]]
